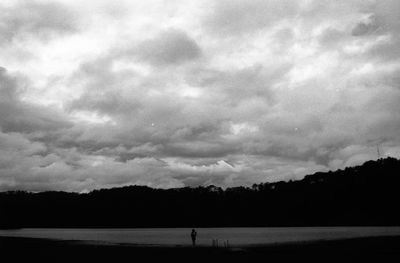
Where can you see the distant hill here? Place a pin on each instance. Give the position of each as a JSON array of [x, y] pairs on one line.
[[363, 195]]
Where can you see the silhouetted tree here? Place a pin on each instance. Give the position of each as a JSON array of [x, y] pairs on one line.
[[362, 195]]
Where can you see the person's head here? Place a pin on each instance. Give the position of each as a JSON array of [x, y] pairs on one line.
[[192, 229]]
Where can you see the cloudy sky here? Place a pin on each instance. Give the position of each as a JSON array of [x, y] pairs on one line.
[[172, 93]]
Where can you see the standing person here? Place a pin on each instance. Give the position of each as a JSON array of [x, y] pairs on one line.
[[193, 235]]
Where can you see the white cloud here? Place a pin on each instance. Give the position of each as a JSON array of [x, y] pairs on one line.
[[173, 93]]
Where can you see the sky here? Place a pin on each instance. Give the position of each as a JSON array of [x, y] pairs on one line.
[[100, 94]]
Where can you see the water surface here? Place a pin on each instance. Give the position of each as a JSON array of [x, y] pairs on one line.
[[181, 236]]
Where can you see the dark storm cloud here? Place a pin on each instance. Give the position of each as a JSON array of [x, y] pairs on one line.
[[367, 27], [200, 149], [242, 17], [386, 19], [171, 47], [20, 122], [28, 19], [332, 37], [23, 117], [236, 85], [377, 25], [105, 103]]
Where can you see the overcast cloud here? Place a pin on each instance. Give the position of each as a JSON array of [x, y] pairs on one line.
[[184, 93]]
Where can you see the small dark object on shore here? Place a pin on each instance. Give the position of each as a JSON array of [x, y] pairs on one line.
[[193, 235]]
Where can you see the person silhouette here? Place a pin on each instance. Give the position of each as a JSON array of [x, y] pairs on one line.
[[193, 235]]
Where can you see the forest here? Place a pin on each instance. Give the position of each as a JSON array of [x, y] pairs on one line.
[[368, 194]]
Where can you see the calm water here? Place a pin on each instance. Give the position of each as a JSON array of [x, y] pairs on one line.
[[181, 236]]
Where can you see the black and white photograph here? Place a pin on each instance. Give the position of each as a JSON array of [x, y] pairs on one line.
[[199, 131]]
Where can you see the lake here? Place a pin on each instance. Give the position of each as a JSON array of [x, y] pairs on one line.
[[181, 236]]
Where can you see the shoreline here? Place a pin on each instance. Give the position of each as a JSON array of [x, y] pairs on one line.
[[51, 250]]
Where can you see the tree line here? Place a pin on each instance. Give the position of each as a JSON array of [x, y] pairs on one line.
[[368, 194]]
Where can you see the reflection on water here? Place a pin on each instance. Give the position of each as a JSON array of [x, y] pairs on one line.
[[181, 236]]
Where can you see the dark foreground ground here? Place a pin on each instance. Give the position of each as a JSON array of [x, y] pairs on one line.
[[377, 249]]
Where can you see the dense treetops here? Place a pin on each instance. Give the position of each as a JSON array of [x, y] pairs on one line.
[[363, 195]]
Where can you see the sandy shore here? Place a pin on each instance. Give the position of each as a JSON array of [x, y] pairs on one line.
[[382, 249]]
